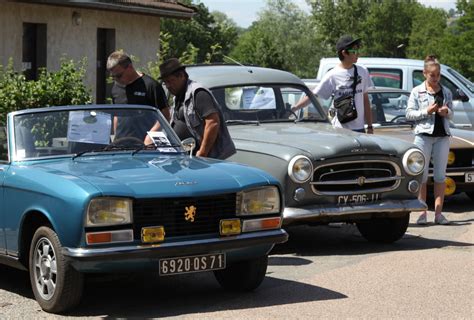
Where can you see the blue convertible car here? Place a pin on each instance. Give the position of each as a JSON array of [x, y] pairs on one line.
[[81, 193]]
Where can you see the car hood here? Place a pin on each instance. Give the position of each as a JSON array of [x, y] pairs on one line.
[[163, 176], [460, 139], [317, 140]]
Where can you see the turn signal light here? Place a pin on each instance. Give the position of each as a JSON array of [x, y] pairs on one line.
[[109, 236], [261, 224]]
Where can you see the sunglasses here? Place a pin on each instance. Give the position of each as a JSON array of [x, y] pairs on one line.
[[117, 75], [353, 50]]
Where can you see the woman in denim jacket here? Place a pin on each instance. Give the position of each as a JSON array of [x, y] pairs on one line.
[[431, 106]]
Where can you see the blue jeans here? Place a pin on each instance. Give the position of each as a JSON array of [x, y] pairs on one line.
[[436, 150]]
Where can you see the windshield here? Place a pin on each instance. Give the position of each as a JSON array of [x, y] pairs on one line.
[[39, 134], [266, 103], [468, 84]]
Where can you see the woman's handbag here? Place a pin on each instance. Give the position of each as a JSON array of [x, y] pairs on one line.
[[345, 105]]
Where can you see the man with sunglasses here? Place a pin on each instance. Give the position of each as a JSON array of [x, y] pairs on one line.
[[133, 87], [339, 82]]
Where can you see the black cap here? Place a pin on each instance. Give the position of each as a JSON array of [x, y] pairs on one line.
[[346, 42], [169, 67]]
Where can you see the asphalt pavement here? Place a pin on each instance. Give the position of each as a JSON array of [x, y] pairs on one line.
[[326, 272]]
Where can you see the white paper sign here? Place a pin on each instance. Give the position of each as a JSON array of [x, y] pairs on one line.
[[159, 138], [89, 127]]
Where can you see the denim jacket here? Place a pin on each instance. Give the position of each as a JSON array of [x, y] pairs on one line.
[[417, 109]]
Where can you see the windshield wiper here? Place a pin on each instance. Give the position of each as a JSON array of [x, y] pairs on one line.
[[152, 146], [257, 123], [110, 147]]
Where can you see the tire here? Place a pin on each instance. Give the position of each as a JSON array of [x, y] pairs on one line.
[[57, 286], [243, 276], [384, 230], [470, 194]]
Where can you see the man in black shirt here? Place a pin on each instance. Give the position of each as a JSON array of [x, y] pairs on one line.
[[133, 87]]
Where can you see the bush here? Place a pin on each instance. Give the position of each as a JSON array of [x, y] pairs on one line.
[[63, 87]]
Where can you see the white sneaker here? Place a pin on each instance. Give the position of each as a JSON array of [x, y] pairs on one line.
[[422, 219], [440, 219]]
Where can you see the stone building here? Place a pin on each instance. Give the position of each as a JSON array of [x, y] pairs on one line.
[[38, 33]]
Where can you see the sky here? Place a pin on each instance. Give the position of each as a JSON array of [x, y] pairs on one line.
[[244, 12]]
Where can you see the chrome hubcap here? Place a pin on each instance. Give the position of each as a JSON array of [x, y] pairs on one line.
[[45, 270]]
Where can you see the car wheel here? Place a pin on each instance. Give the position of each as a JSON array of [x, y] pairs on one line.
[[384, 230], [243, 276], [57, 286], [470, 195]]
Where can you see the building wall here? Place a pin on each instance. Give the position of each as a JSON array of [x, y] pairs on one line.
[[136, 34]]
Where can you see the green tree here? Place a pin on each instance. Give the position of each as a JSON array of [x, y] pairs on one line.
[[427, 32], [198, 39], [283, 37], [387, 27], [457, 46]]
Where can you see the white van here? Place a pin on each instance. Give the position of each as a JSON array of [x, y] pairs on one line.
[[407, 73]]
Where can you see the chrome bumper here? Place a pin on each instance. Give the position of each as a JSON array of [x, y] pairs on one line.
[[177, 248], [293, 214]]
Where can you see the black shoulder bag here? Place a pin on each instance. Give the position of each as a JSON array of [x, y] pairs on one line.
[[345, 105]]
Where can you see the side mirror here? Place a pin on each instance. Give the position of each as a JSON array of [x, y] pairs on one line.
[[460, 95], [188, 145]]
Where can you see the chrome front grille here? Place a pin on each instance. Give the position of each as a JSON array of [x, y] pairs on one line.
[[343, 178]]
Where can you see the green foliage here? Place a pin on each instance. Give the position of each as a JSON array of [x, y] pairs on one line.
[[458, 43], [193, 40], [63, 87], [282, 38]]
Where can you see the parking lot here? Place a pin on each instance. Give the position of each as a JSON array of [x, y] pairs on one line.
[[321, 272]]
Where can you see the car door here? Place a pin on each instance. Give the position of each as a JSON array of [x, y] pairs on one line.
[[4, 165]]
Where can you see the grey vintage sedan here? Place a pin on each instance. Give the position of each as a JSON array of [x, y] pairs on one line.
[[328, 175]]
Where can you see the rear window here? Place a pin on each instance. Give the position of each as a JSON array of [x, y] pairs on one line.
[[391, 78]]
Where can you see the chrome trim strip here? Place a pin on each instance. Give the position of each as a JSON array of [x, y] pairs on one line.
[[292, 214]]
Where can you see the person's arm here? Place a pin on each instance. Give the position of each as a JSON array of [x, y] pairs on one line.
[[148, 140], [368, 114], [447, 109], [166, 113], [211, 130], [413, 112], [160, 102]]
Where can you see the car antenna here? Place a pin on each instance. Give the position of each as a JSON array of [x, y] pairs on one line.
[[237, 62]]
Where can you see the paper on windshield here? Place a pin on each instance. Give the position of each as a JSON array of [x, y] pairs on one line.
[[89, 127]]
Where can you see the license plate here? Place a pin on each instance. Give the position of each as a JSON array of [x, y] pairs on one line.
[[171, 266], [357, 198], [469, 177]]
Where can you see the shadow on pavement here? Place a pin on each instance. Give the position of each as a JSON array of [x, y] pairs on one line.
[[152, 297]]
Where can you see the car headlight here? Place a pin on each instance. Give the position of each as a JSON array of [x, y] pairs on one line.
[[258, 201], [300, 169], [414, 162], [109, 211]]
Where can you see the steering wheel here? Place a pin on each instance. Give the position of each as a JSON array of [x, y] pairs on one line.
[[127, 141], [288, 112], [399, 118]]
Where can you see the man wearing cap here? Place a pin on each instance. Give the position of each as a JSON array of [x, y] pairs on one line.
[[133, 87], [339, 82], [196, 113]]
